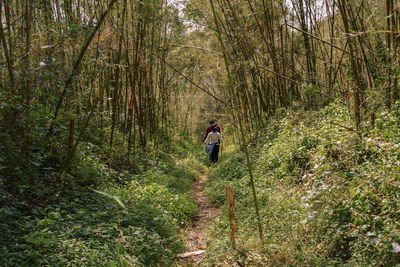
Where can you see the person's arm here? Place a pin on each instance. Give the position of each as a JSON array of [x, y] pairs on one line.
[[207, 139], [219, 130], [207, 132]]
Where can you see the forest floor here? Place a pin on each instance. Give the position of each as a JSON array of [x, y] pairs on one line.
[[195, 235]]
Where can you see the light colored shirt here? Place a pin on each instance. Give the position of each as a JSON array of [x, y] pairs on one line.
[[213, 137]]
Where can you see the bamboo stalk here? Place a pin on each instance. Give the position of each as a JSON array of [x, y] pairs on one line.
[[77, 64]]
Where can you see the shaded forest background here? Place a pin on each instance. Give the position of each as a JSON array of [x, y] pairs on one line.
[[93, 93], [144, 69]]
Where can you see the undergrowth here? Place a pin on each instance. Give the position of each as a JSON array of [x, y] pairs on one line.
[[329, 195], [127, 214]]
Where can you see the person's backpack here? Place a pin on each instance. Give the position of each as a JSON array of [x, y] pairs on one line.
[[216, 127]]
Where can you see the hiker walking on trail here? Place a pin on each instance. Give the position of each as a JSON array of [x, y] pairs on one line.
[[213, 142], [209, 129]]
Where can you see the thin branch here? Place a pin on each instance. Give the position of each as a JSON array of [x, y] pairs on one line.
[[330, 44], [77, 64]]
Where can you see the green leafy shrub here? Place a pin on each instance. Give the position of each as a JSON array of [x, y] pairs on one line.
[[230, 171], [328, 195], [128, 220]]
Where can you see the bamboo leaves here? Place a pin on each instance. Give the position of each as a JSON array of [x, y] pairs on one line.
[[116, 198]]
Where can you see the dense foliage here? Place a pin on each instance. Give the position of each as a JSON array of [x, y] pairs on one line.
[[100, 216], [328, 194], [92, 170], [101, 103]]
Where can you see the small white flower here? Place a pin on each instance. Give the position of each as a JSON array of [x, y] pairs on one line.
[[370, 234], [396, 247], [47, 46], [42, 64]]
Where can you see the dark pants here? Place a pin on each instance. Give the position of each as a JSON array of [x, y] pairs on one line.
[[214, 153]]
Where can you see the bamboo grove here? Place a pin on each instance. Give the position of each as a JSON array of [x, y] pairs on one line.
[[71, 68], [307, 53], [93, 87], [89, 66]]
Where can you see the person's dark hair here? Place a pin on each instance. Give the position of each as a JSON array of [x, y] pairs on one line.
[[214, 129], [212, 122]]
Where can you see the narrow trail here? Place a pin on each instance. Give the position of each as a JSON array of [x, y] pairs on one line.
[[195, 234]]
